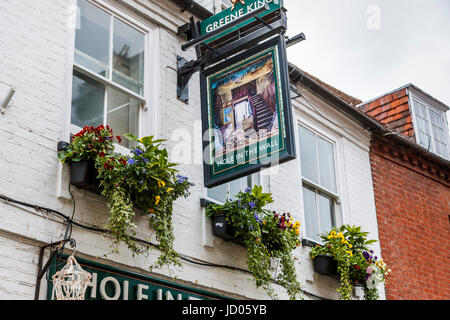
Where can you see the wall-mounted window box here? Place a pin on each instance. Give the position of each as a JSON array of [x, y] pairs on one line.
[[325, 265], [83, 175]]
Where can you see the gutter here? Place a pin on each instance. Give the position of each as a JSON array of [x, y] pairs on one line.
[[194, 8], [297, 76]]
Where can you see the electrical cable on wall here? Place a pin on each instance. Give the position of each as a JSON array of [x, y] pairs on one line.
[[70, 222]]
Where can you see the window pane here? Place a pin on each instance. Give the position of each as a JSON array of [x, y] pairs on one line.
[[238, 185], [218, 193], [311, 221], [87, 102], [326, 164], [325, 212], [308, 154], [92, 38], [128, 65], [123, 115]]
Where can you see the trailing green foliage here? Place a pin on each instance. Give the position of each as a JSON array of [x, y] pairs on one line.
[[145, 180], [349, 246], [265, 234]]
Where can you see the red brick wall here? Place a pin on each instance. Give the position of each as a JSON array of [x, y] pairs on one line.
[[412, 199], [393, 111]]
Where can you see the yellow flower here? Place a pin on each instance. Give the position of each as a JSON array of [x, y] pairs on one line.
[[297, 231], [349, 253], [264, 222], [161, 184], [140, 140], [169, 189], [157, 199]]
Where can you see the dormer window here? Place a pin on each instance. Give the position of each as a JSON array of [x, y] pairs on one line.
[[430, 128]]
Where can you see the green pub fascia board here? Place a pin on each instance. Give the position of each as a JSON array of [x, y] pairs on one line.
[[118, 284], [230, 14]]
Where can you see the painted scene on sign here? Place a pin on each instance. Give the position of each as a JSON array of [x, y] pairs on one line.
[[244, 105]]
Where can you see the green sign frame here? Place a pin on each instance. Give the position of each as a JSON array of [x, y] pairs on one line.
[[232, 13], [111, 283], [255, 84]]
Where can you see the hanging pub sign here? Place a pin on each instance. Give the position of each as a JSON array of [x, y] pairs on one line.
[[110, 283], [246, 113], [239, 9]]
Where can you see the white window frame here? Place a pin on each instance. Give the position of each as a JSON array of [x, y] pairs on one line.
[[261, 183], [429, 107], [336, 196], [148, 101]]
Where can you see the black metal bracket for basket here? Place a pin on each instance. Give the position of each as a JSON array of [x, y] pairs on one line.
[[208, 55], [57, 247]]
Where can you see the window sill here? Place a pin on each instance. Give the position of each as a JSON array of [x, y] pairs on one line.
[[206, 202], [309, 243]]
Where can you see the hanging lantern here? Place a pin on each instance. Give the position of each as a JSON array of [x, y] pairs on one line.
[[70, 283]]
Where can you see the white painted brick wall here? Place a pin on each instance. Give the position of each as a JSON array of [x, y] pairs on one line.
[[33, 59]]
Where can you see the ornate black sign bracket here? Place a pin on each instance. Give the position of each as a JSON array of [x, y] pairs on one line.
[[226, 46], [210, 52]]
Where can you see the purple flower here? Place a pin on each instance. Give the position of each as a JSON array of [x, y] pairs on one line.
[[131, 161], [145, 160], [251, 204], [257, 218], [138, 151], [180, 178], [141, 182], [247, 190]]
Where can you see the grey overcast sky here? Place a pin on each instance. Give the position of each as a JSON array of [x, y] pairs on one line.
[[369, 47]]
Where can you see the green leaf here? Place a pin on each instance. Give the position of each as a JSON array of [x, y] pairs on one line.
[[131, 137], [61, 155]]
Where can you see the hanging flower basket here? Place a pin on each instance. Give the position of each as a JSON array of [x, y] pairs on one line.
[[326, 265], [144, 179], [84, 175], [344, 254], [265, 234], [222, 229]]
